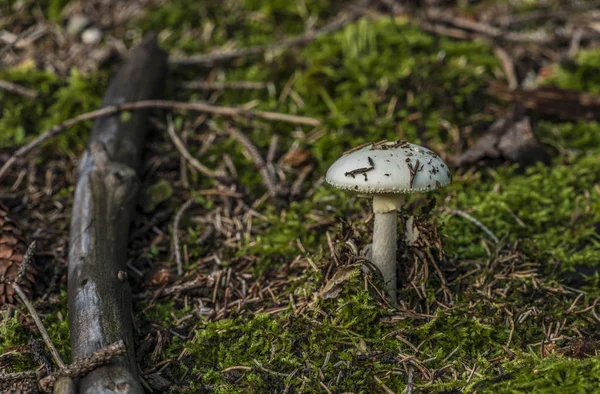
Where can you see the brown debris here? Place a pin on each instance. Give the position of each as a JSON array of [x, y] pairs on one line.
[[12, 253], [509, 138], [296, 157], [580, 348], [564, 104]]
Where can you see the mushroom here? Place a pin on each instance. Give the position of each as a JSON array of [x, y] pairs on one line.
[[387, 171]]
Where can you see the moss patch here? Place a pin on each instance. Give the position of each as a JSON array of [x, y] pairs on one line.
[[483, 317]]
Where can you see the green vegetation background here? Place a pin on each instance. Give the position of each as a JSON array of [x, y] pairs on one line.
[[347, 79]]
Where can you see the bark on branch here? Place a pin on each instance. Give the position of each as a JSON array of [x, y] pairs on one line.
[[100, 311]]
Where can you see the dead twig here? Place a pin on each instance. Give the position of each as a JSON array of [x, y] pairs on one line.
[[410, 386], [509, 67], [179, 288], [268, 179], [145, 104], [385, 388], [483, 29], [39, 325], [27, 257], [9, 377], [297, 185], [78, 368], [472, 220], [85, 365], [185, 153], [12, 87], [229, 85], [178, 261]]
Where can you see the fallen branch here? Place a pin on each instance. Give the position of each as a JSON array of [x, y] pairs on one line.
[[146, 104], [100, 305], [213, 59]]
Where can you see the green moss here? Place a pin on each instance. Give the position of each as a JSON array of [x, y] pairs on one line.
[[579, 75], [57, 325], [351, 342], [287, 351], [156, 194], [11, 332], [23, 118], [550, 374], [229, 20], [558, 213], [14, 335]]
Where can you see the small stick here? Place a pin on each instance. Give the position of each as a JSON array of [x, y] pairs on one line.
[[242, 85], [509, 67], [145, 104], [438, 15], [12, 87], [271, 154], [85, 365], [7, 377], [472, 220], [190, 285], [251, 149], [410, 385], [297, 185], [39, 325], [183, 208], [385, 388], [185, 153], [26, 261]]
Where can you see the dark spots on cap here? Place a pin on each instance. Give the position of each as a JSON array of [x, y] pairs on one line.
[[386, 174], [359, 171], [370, 161], [408, 159], [355, 187]]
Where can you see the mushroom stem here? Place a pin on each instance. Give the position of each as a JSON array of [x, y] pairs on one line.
[[384, 249], [385, 234]]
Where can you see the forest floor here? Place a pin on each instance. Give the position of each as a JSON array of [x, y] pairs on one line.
[[498, 294]]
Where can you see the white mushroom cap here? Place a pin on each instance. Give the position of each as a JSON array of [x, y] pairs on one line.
[[389, 167]]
